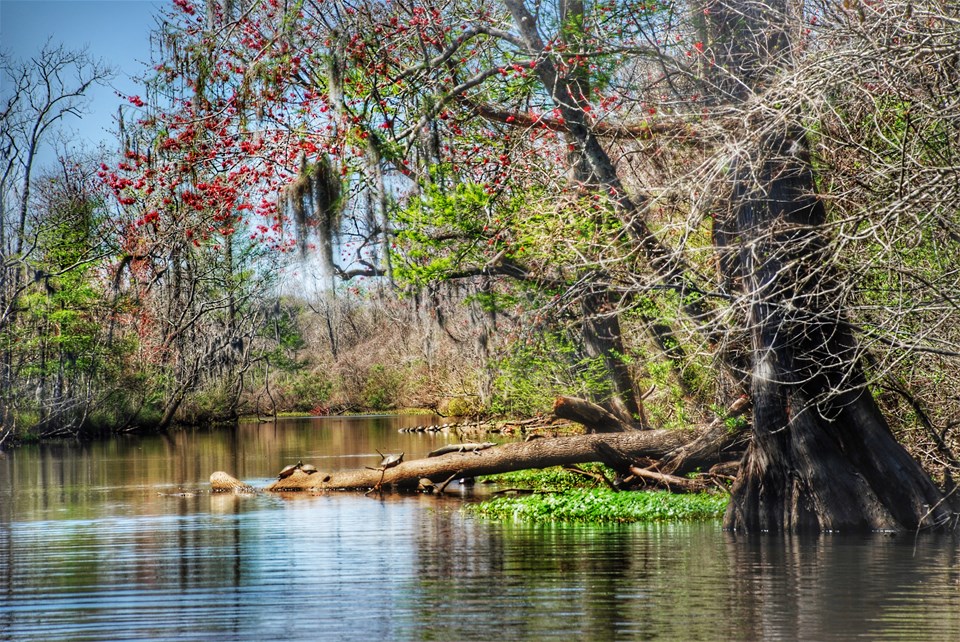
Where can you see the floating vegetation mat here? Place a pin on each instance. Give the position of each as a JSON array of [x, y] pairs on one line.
[[601, 505]]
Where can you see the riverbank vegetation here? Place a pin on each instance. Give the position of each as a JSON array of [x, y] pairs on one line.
[[477, 206]]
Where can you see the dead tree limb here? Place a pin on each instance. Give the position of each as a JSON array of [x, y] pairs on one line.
[[670, 482], [594, 418], [717, 443]]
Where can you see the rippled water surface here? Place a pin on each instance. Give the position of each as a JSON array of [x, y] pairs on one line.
[[120, 541]]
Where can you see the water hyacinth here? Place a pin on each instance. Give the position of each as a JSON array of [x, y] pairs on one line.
[[602, 505]]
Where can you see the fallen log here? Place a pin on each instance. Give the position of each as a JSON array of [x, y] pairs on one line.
[[593, 417], [539, 453]]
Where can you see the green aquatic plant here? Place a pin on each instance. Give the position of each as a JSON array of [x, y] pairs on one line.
[[601, 505]]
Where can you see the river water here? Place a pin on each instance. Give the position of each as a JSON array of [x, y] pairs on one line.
[[120, 540]]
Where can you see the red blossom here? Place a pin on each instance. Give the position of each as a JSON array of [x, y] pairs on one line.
[[185, 6]]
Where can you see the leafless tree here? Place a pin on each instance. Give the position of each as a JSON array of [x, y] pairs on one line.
[[38, 96]]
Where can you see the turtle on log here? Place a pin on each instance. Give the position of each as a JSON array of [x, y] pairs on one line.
[[389, 461], [386, 461], [289, 470]]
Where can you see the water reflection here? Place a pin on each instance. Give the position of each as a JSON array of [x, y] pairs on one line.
[[98, 542], [880, 586]]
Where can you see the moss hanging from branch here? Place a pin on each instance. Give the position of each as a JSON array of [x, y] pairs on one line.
[[314, 199]]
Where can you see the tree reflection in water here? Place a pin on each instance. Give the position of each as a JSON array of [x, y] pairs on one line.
[[121, 536]]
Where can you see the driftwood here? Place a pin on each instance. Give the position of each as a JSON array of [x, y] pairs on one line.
[[538, 453]]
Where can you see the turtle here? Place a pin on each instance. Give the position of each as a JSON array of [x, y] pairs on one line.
[[386, 461], [308, 469], [389, 461], [287, 471]]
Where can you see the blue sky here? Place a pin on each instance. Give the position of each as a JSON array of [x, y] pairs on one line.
[[115, 31]]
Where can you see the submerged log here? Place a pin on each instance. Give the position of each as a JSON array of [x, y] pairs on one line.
[[539, 453]]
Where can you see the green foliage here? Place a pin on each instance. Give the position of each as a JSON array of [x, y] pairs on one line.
[[680, 372], [459, 407], [601, 505], [442, 231], [452, 230], [539, 369], [494, 301], [284, 332], [58, 343], [734, 424], [464, 229], [553, 479], [575, 232], [668, 408], [891, 126], [208, 404], [383, 388], [310, 390]]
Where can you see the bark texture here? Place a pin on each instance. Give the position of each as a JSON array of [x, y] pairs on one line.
[[822, 457]]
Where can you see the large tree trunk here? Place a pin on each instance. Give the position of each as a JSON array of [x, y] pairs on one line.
[[822, 457], [602, 336], [603, 340]]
